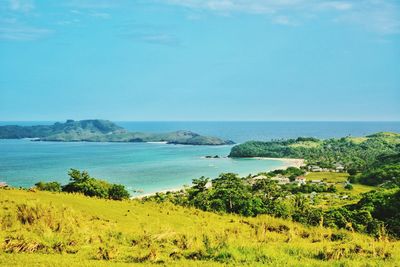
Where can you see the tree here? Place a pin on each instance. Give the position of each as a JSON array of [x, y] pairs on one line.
[[199, 186], [78, 176], [198, 195], [267, 189], [382, 174], [81, 182], [118, 192], [230, 188], [348, 187], [352, 171]]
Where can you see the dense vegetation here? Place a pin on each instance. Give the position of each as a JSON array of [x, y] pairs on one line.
[[231, 194], [81, 182], [59, 229], [353, 152], [384, 171], [89, 127], [102, 131]]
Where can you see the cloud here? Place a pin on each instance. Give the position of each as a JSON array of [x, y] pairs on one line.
[[91, 4], [284, 20], [147, 33], [68, 22], [380, 16], [152, 38], [338, 5], [22, 33], [161, 38], [100, 15], [13, 30], [21, 5]]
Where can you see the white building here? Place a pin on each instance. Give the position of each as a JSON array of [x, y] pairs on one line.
[[300, 180], [316, 181], [314, 168]]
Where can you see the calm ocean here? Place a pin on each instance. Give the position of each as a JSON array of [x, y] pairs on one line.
[[154, 167]]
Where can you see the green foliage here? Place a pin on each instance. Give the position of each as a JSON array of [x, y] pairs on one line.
[[118, 192], [384, 205], [354, 155], [81, 182], [291, 172], [309, 188], [231, 194], [352, 171], [348, 187], [380, 175], [48, 186], [305, 139]]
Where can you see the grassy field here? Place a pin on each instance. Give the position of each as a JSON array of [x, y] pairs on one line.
[[339, 179], [328, 199], [48, 229]]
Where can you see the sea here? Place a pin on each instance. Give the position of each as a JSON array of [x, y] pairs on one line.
[[146, 168]]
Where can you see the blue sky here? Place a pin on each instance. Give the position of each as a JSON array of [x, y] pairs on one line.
[[200, 60]]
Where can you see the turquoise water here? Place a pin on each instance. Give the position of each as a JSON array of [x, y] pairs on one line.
[[154, 167], [139, 166]]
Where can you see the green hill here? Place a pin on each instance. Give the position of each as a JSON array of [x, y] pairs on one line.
[[102, 131], [56, 229], [353, 152]]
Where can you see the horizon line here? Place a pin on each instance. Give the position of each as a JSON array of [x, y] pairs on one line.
[[396, 121]]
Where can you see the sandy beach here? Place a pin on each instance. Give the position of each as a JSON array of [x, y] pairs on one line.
[[287, 162]]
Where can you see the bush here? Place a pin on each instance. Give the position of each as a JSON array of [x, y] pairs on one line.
[[50, 186], [90, 187], [352, 171], [348, 187], [82, 182], [118, 192]]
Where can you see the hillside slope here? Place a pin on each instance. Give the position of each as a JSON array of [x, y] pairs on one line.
[[353, 152], [48, 229], [102, 131]]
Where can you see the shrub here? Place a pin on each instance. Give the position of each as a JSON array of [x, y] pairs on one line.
[[348, 187], [82, 182], [118, 192], [49, 186]]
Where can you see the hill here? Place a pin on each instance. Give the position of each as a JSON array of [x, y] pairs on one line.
[[102, 131], [353, 152], [48, 229]]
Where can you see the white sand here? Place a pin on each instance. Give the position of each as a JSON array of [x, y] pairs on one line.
[[287, 162]]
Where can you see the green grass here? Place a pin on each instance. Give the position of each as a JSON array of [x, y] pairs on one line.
[[306, 144], [53, 229], [339, 179], [329, 177], [328, 200], [357, 140]]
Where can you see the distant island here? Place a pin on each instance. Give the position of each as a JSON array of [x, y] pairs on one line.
[[102, 131]]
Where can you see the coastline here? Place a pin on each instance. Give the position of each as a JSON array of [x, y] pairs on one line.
[[287, 162]]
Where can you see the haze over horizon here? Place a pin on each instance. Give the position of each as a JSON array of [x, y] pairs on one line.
[[192, 60]]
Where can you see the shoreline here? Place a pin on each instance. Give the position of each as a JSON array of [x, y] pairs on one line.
[[287, 162]]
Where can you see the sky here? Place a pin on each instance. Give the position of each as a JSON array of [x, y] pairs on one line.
[[166, 60]]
